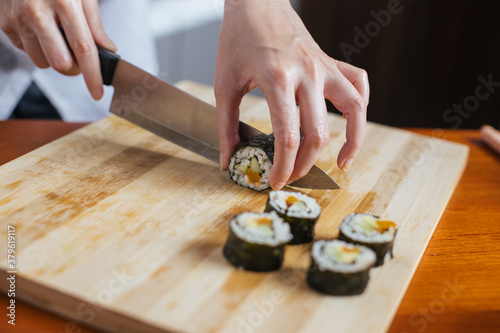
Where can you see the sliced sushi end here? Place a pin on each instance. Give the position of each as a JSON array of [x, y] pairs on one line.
[[253, 177], [339, 268], [345, 254], [369, 224], [299, 210], [253, 257], [250, 165], [302, 228], [255, 167], [243, 169], [370, 231], [293, 201], [380, 249], [336, 283], [256, 241]]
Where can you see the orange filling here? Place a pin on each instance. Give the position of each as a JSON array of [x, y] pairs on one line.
[[252, 176], [291, 200], [383, 226], [264, 221], [353, 250]]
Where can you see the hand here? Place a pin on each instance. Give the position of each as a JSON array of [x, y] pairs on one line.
[[263, 43], [32, 26]]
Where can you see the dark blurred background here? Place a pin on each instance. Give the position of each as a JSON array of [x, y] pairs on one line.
[[430, 63]]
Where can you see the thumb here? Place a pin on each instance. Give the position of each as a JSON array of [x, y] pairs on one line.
[[91, 10]]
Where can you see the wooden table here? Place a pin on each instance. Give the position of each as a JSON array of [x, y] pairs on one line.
[[456, 287]]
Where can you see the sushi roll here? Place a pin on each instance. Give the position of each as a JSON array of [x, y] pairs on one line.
[[299, 210], [250, 165], [370, 231], [339, 268], [256, 241]]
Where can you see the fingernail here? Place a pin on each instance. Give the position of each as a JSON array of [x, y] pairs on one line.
[[347, 164], [97, 93]]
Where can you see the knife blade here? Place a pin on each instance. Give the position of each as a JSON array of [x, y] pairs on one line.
[[167, 111]]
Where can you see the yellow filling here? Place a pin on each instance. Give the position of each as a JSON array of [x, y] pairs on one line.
[[291, 200], [383, 226], [253, 177]]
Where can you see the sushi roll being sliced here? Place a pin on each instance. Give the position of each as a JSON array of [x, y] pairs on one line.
[[256, 241], [339, 268], [370, 231], [250, 166], [299, 210]]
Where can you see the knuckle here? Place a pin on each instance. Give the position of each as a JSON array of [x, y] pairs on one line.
[[290, 140], [311, 67], [320, 138], [62, 65], [33, 12], [358, 104], [363, 75], [83, 47], [277, 74], [63, 5]]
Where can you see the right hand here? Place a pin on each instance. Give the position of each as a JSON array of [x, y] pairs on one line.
[[32, 26]]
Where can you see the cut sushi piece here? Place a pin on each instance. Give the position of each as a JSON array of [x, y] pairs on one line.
[[256, 241], [299, 210], [340, 268], [371, 231], [250, 166]]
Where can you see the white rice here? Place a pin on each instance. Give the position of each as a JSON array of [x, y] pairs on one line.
[[326, 262], [242, 227], [277, 200], [350, 227], [243, 157]]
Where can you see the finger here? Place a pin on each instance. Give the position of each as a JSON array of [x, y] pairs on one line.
[[228, 113], [83, 45], [358, 77], [40, 23], [314, 124], [56, 50], [34, 51], [347, 99], [285, 124], [16, 40], [91, 10]]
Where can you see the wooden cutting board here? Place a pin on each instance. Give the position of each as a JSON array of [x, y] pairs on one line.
[[123, 231]]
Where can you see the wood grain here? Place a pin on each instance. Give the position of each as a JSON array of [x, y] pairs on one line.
[[202, 292], [475, 310]]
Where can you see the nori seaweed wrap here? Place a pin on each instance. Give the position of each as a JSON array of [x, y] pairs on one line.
[[299, 210], [371, 231], [339, 268], [250, 165], [256, 241]]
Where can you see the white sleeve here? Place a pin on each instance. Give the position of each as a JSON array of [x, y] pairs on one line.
[[15, 75], [126, 23]]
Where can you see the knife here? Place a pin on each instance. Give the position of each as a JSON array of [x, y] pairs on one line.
[[169, 112]]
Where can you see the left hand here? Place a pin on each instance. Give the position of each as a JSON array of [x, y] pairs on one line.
[[263, 43]]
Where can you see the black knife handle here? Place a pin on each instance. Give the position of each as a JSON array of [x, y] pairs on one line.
[[107, 59]]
